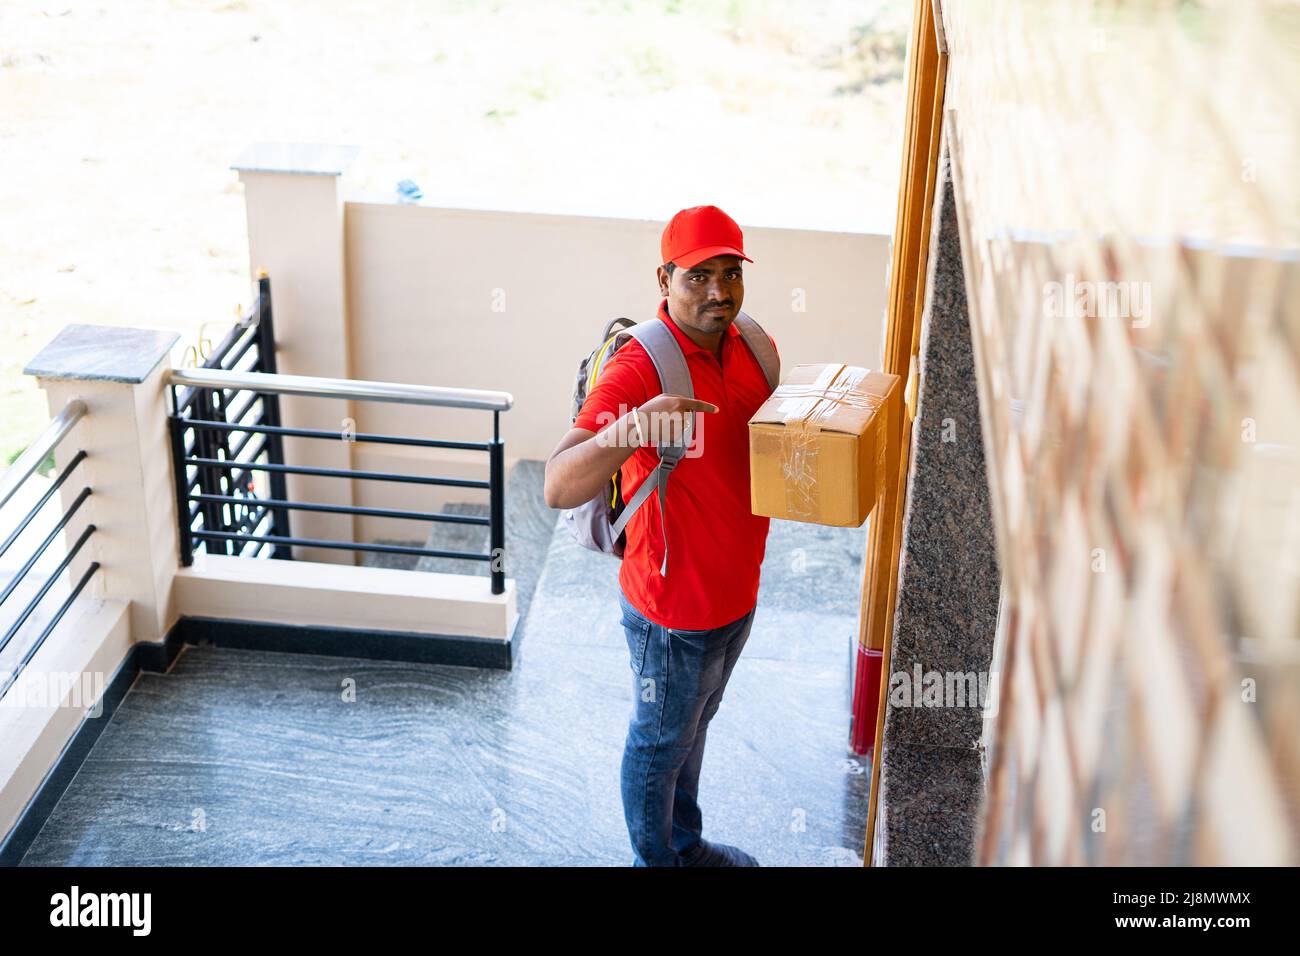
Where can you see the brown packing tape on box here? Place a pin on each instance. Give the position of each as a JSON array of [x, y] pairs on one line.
[[810, 407], [823, 415]]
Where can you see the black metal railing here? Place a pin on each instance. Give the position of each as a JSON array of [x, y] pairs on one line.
[[218, 499], [221, 502], [14, 479]]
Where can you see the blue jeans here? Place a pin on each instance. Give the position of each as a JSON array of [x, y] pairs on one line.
[[678, 678]]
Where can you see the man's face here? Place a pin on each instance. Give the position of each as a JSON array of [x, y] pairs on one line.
[[707, 296]]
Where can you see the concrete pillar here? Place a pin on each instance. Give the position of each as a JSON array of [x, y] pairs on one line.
[[932, 779], [293, 195], [118, 373]]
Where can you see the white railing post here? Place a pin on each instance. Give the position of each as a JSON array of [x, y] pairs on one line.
[[117, 373], [293, 197]]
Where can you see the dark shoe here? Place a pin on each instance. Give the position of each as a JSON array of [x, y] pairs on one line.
[[717, 854]]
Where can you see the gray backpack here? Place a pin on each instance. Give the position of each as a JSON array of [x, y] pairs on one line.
[[599, 524]]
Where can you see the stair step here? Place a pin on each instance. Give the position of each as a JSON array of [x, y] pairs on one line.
[[445, 536], [529, 525]]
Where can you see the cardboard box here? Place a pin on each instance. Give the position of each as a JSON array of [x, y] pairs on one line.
[[818, 446]]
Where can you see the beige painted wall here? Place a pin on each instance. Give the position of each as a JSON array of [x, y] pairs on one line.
[[295, 232], [513, 301], [307, 592], [63, 684]]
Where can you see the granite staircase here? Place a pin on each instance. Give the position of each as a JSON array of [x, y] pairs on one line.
[[250, 757], [529, 527]]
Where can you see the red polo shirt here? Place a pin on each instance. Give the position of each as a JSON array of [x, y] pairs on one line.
[[716, 544]]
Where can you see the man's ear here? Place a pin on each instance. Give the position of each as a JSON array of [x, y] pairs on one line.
[[662, 275]]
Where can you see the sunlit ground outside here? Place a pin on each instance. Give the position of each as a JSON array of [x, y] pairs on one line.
[[119, 122]]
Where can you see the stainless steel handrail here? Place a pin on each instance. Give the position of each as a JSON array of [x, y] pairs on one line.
[[36, 452], [280, 384]]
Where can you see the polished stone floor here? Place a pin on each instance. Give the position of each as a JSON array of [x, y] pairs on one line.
[[240, 757]]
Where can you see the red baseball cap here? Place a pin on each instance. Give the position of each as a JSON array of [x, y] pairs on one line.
[[700, 233]]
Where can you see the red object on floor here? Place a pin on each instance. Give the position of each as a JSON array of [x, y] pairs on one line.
[[866, 699]]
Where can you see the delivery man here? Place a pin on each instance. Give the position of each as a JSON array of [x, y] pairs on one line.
[[685, 629]]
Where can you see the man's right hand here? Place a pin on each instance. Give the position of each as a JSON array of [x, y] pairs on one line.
[[664, 418], [584, 460]]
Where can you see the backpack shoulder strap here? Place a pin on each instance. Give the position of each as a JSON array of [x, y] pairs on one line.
[[674, 379], [666, 354], [762, 348]]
